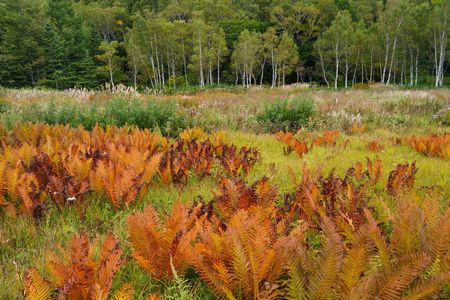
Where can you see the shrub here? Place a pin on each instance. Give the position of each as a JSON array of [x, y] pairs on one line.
[[5, 106], [443, 116], [288, 115]]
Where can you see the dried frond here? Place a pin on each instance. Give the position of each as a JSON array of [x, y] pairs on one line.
[[402, 178], [191, 134], [233, 195], [432, 145], [125, 292], [358, 128], [157, 241], [374, 146], [243, 259], [77, 275], [36, 288]]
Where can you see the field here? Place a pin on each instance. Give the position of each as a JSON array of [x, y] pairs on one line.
[[286, 193]]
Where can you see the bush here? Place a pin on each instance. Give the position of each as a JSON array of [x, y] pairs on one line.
[[289, 115], [5, 106], [443, 116]]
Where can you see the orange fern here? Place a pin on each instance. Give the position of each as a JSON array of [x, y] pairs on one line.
[[77, 275], [156, 242]]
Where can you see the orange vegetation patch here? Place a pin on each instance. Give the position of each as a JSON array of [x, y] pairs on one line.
[[435, 145], [40, 162]]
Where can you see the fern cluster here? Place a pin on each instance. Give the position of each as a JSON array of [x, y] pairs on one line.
[[333, 237], [245, 244], [437, 145], [306, 141], [40, 162], [75, 274]]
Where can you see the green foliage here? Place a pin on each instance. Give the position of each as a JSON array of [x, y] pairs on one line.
[[159, 116], [233, 28], [168, 45], [288, 114], [5, 106]]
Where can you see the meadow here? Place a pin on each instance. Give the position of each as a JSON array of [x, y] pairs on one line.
[[285, 193]]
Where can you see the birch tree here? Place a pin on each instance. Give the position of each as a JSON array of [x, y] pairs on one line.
[[108, 56], [246, 57], [440, 27], [199, 57], [334, 43], [269, 44], [286, 56]]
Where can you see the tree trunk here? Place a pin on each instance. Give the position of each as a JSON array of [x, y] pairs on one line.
[[134, 74], [392, 60], [262, 72], [336, 76], [417, 66], [385, 57], [218, 66], [184, 64], [202, 81], [111, 79], [323, 69], [440, 58], [210, 72], [371, 65], [273, 69]]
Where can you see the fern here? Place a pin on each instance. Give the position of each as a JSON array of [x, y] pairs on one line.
[[402, 178], [77, 275], [243, 259], [233, 195], [125, 292], [328, 265], [156, 242], [36, 288]]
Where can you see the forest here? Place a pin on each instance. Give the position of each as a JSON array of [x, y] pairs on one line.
[[164, 45]]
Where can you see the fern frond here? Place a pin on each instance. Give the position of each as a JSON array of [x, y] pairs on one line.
[[151, 169], [324, 279], [426, 288], [398, 279], [353, 267], [110, 262], [36, 288], [125, 292]]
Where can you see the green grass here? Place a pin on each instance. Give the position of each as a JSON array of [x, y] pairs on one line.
[[23, 243]]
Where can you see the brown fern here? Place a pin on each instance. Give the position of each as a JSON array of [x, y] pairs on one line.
[[157, 241], [77, 275], [36, 288]]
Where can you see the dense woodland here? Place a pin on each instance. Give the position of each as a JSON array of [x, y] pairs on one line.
[[173, 44]]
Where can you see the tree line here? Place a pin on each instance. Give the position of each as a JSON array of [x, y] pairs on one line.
[[171, 44]]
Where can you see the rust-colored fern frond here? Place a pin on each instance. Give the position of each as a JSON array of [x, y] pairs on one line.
[[36, 288], [233, 195], [76, 274], [156, 241], [245, 258], [125, 292], [402, 178], [434, 145], [374, 146]]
